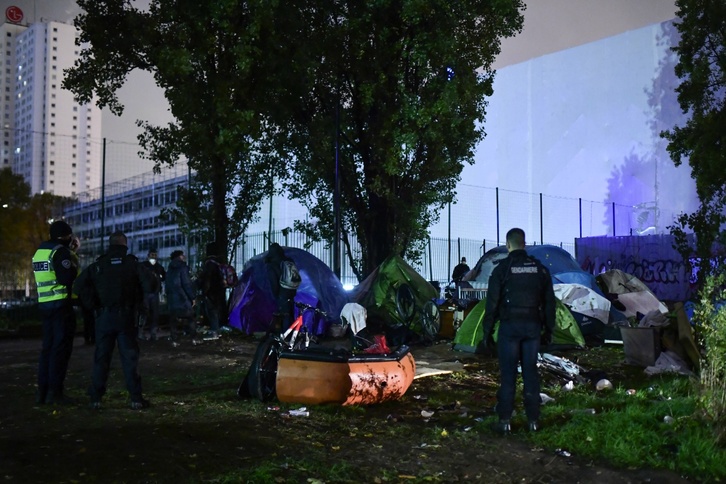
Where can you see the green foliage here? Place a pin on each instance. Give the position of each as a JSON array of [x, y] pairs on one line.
[[253, 84], [711, 324], [404, 85], [702, 140], [207, 61], [23, 226]]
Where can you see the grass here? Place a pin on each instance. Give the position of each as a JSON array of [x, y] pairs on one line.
[[627, 430], [658, 426]]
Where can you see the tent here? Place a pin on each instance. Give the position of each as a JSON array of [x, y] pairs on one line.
[[629, 294], [563, 268], [567, 333], [377, 292], [252, 303]]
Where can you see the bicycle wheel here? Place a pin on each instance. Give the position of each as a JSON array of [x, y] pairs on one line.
[[430, 320], [405, 302], [263, 371]]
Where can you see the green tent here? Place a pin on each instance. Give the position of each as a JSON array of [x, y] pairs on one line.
[[377, 293], [470, 334]]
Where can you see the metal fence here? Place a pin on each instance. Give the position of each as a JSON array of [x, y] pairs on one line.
[[437, 263]]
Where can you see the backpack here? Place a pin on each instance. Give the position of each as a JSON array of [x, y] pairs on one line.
[[229, 275], [289, 275]]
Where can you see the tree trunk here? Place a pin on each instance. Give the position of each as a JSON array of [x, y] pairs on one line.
[[219, 207]]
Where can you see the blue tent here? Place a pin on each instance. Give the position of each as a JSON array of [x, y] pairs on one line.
[[252, 303], [563, 268]]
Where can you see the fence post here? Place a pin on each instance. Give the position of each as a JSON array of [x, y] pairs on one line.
[[613, 219], [580, 204], [431, 262], [541, 228], [497, 205]]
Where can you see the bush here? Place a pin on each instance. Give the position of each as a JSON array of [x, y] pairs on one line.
[[711, 324]]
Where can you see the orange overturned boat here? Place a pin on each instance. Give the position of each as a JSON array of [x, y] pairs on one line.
[[317, 376]]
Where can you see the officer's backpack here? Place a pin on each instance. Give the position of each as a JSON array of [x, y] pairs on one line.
[[289, 275]]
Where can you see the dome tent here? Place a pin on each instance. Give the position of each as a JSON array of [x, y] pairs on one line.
[[252, 303]]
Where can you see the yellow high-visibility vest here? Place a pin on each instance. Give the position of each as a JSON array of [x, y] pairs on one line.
[[48, 288]]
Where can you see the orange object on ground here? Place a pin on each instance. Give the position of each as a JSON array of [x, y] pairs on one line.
[[324, 376]]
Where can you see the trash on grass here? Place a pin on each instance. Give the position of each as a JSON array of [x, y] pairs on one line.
[[588, 411], [603, 384], [300, 412]]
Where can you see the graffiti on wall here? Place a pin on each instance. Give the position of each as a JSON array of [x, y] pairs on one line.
[[652, 259]]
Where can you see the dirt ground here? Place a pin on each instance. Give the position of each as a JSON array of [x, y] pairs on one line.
[[169, 442]]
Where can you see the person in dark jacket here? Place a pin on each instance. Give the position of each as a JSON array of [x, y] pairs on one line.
[[55, 269], [284, 297], [214, 296], [460, 271], [179, 297], [151, 318], [118, 283], [520, 296]]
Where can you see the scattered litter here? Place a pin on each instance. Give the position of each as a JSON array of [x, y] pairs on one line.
[[544, 398], [444, 433], [300, 412], [669, 362], [603, 384], [466, 429], [423, 398], [668, 419], [562, 453], [588, 411], [179, 403], [427, 413], [569, 386], [558, 364], [273, 409], [631, 391]]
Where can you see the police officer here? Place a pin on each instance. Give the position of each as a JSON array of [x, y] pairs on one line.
[[521, 298], [119, 282], [55, 269]]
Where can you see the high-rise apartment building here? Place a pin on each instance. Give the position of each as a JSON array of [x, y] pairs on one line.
[[8, 33], [56, 141]]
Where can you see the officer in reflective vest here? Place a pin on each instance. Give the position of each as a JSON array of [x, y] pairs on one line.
[[55, 268], [520, 296]]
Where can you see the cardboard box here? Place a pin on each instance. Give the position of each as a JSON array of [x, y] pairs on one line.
[[641, 345]]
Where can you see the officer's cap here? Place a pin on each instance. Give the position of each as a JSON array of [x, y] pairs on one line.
[[59, 229]]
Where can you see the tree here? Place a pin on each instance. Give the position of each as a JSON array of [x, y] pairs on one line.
[[209, 60], [23, 226], [702, 140], [404, 84]]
